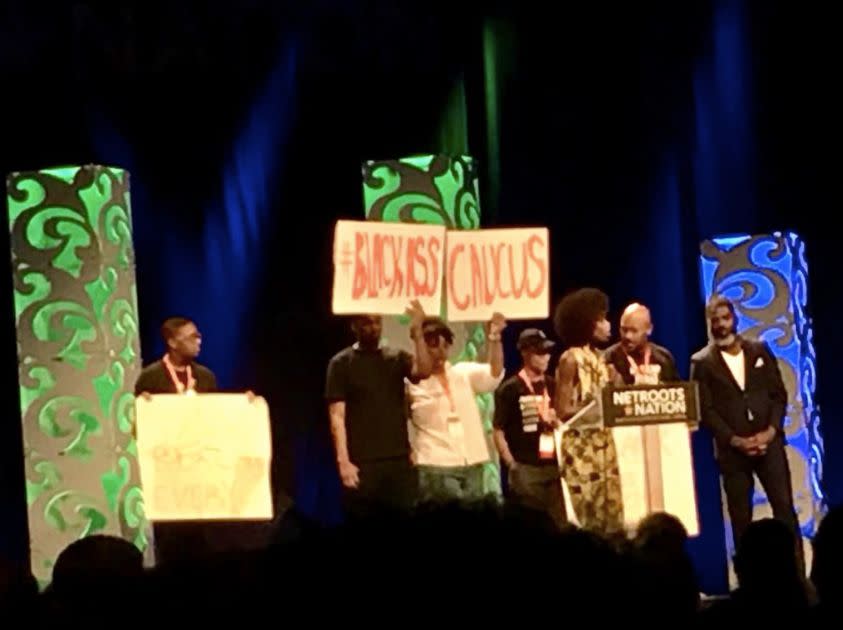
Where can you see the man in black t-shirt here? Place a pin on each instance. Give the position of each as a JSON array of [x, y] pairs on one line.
[[177, 372], [524, 423], [367, 404], [636, 359]]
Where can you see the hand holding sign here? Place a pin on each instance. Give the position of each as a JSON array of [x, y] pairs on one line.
[[496, 325], [416, 314]]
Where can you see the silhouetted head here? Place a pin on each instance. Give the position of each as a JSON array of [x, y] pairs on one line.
[[827, 567], [662, 532], [766, 557], [96, 558]]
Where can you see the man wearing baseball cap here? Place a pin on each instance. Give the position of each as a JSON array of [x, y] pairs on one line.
[[524, 424]]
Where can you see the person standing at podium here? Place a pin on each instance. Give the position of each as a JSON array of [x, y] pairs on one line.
[[743, 402], [525, 420], [636, 359], [367, 406], [590, 465]]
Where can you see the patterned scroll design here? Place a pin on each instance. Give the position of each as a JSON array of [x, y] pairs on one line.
[[78, 355], [440, 190], [767, 278], [436, 189]]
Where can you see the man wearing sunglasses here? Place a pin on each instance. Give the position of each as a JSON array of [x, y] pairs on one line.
[[446, 431]]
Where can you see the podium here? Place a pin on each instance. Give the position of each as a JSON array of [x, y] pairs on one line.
[[651, 427], [204, 457]]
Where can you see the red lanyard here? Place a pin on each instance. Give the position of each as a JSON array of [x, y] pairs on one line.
[[171, 369], [544, 406], [635, 368], [446, 386]]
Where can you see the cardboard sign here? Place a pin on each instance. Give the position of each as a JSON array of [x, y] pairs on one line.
[[505, 271], [204, 457], [651, 404], [381, 267]]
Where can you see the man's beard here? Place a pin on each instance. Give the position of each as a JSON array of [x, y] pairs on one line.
[[725, 342]]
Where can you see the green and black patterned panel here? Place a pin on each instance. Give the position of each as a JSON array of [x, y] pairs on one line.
[[440, 190], [78, 355], [437, 189]]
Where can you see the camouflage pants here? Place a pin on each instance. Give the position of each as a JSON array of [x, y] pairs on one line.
[[590, 468]]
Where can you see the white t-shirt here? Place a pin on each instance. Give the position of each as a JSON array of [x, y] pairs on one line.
[[737, 367], [440, 436]]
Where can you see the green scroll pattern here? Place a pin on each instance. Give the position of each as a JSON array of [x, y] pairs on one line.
[[78, 355], [439, 190]]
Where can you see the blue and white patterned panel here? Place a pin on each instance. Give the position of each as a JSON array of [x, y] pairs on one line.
[[767, 278]]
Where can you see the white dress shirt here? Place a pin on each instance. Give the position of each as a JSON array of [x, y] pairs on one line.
[[737, 367], [440, 435]]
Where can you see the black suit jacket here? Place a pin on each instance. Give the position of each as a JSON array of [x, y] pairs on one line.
[[154, 379], [725, 408]]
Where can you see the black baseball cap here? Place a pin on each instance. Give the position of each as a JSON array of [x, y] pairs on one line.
[[534, 339]]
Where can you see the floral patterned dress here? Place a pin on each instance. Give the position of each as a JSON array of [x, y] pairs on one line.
[[589, 459]]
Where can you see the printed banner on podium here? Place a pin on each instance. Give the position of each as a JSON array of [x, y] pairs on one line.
[[651, 404], [204, 457], [504, 270], [381, 267]]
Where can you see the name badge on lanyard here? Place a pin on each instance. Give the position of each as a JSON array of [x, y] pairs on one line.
[[454, 425], [190, 389], [646, 373], [547, 445]]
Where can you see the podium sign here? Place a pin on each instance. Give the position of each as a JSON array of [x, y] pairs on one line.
[[650, 426], [651, 404], [204, 457]]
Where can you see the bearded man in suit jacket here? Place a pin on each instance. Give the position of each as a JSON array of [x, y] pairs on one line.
[[743, 402]]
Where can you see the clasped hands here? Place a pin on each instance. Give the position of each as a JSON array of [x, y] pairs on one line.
[[754, 445]]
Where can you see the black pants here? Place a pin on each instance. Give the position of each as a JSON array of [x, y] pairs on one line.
[[738, 483], [385, 485], [537, 488]]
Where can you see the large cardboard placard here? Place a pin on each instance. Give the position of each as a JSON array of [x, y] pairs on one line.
[[204, 457], [381, 267], [499, 270]]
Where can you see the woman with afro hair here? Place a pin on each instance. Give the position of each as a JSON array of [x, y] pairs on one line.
[[589, 459]]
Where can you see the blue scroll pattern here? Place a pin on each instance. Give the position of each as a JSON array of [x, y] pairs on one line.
[[766, 277]]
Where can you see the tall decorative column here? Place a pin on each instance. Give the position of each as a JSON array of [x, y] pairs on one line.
[[78, 355], [766, 276]]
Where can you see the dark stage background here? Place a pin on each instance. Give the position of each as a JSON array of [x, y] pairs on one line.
[[632, 130]]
